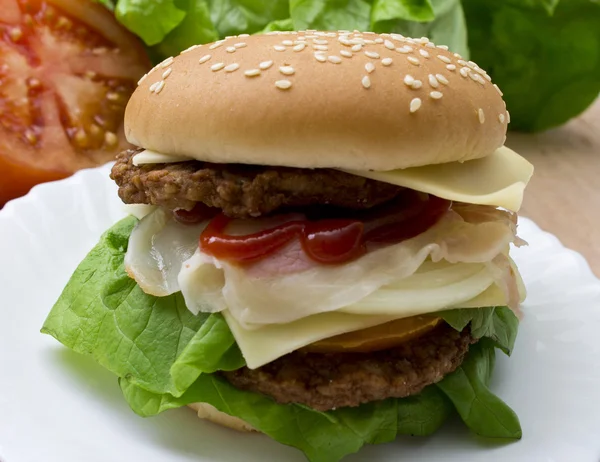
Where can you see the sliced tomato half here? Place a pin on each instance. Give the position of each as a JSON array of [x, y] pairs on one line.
[[67, 70]]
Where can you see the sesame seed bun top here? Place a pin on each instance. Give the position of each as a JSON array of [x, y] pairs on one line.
[[319, 99]]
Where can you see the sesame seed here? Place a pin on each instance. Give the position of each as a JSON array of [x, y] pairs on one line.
[[187, 50], [334, 59], [379, 40], [370, 67], [498, 90], [462, 62], [501, 118], [320, 57], [300, 40], [346, 53], [416, 85], [472, 65], [167, 73], [232, 67], [252, 72], [402, 50], [372, 54], [159, 87], [424, 53], [430, 45], [389, 45], [287, 70], [287, 43], [369, 33], [230, 49], [464, 71], [433, 81], [153, 87], [217, 67], [215, 45], [481, 115], [301, 46], [442, 79], [436, 94], [243, 35], [320, 47], [443, 47], [487, 77], [507, 117], [409, 80], [424, 39], [386, 61], [366, 81], [451, 67], [415, 104], [357, 47], [283, 84], [477, 78], [144, 77], [279, 48], [456, 55], [204, 59], [444, 59], [167, 62], [320, 42], [413, 60], [265, 65]]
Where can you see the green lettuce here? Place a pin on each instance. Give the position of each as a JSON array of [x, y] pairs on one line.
[[165, 358], [544, 54]]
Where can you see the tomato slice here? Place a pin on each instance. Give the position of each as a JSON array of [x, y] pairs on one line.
[[67, 70]]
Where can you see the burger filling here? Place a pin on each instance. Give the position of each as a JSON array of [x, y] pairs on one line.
[[316, 305], [273, 246]]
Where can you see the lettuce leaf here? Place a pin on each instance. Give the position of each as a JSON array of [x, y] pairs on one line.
[[548, 65], [196, 27], [166, 358], [151, 20], [467, 387], [497, 323]]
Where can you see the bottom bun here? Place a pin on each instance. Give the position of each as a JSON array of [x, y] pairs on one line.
[[208, 412]]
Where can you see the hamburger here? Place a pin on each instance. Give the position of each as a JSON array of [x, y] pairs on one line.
[[319, 242]]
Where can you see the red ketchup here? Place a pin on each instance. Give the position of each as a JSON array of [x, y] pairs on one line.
[[330, 236]]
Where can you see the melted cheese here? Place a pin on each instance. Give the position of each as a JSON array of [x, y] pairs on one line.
[[499, 179]]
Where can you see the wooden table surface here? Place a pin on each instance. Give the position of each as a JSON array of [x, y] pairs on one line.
[[564, 194]]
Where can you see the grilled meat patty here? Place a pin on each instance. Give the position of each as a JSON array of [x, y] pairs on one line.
[[325, 381], [243, 191]]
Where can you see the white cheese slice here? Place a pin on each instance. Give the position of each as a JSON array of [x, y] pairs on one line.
[[497, 180], [265, 344], [153, 157]]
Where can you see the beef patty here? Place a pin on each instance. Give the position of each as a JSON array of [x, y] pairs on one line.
[[325, 381], [243, 191]]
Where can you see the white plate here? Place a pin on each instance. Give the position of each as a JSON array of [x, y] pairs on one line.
[[58, 406]]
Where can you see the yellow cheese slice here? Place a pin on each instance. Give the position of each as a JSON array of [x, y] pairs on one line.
[[497, 180], [265, 344], [153, 157]]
